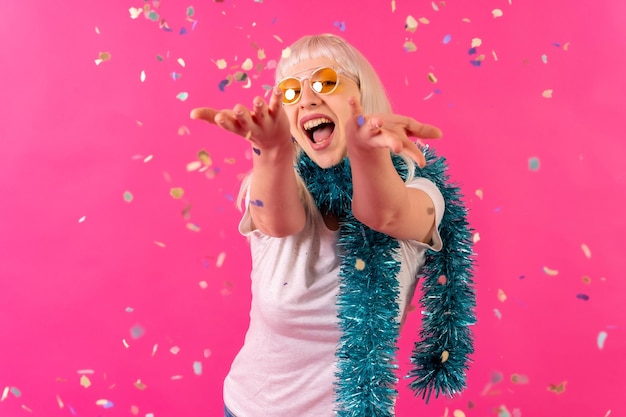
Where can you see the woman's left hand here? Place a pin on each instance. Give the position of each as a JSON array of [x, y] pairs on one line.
[[390, 131]]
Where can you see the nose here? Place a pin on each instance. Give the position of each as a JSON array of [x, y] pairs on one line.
[[309, 98]]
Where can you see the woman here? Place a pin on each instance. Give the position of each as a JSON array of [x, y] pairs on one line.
[[325, 312]]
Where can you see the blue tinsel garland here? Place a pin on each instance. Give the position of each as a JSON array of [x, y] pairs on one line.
[[368, 291]]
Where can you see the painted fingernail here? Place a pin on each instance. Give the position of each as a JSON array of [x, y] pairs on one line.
[[361, 120]]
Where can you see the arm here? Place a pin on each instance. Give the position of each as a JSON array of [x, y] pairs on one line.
[[381, 199], [277, 209]]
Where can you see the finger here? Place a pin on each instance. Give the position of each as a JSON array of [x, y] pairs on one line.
[[260, 109], [204, 113], [420, 130], [243, 117], [276, 101], [415, 153]]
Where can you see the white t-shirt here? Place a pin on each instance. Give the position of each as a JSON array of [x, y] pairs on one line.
[[287, 365]]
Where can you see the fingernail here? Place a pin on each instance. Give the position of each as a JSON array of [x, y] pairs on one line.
[[361, 120]]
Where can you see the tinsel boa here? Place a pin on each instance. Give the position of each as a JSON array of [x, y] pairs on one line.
[[368, 291]]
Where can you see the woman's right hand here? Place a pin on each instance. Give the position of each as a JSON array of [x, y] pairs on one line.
[[266, 126]]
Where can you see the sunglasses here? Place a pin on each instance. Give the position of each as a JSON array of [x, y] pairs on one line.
[[323, 81]]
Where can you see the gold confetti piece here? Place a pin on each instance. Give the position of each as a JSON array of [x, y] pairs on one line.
[[160, 244], [84, 381], [194, 166], [476, 42], [586, 280], [586, 250], [205, 158], [285, 53], [260, 54], [496, 13], [103, 402], [135, 12], [444, 356], [247, 65], [181, 62], [557, 389], [423, 20], [5, 394], [547, 93], [174, 350], [549, 271], [479, 193], [501, 295], [476, 237], [432, 78], [220, 259], [125, 343], [142, 76], [193, 227], [140, 385], [409, 46], [82, 219], [565, 48], [411, 24], [360, 264], [221, 64], [177, 192], [458, 413], [519, 379], [393, 6], [203, 284]]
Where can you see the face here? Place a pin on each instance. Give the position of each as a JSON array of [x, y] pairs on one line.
[[318, 120]]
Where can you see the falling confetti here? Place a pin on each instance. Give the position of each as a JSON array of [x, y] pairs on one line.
[[479, 193], [476, 42], [128, 197], [533, 163], [496, 13], [5, 394], [142, 76], [547, 93], [586, 250], [501, 295], [549, 271], [174, 350], [182, 96], [135, 12], [140, 385], [220, 259], [84, 381], [104, 403], [82, 219], [409, 46], [137, 331], [458, 413], [197, 368], [411, 24], [601, 339], [476, 237], [497, 313], [247, 65], [181, 62], [557, 388], [583, 297], [221, 64], [359, 264], [519, 379], [160, 244], [432, 78], [447, 39], [177, 192]]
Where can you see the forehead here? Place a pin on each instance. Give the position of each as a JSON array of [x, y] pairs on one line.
[[307, 66]]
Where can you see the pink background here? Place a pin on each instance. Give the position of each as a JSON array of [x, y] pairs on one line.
[[118, 299]]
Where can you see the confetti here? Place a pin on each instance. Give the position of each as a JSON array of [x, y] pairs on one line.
[[197, 368], [174, 350], [129, 309], [102, 57], [104, 403], [5, 394], [177, 192], [447, 39], [533, 163], [183, 130], [193, 227], [359, 264], [549, 271], [547, 93], [432, 78], [203, 284], [160, 244], [125, 343], [476, 237], [519, 379], [247, 65], [409, 46], [586, 250], [444, 356], [182, 96], [135, 12], [442, 280], [544, 58], [205, 158], [586, 280], [479, 193], [558, 388], [497, 313], [60, 402], [137, 331], [221, 64], [207, 353], [360, 120], [285, 53], [220, 259], [340, 25], [476, 42], [139, 385], [181, 62], [601, 339], [190, 11], [194, 166], [458, 413], [583, 297], [501, 295], [496, 13], [411, 24], [155, 348], [423, 20], [84, 381], [503, 412], [128, 197], [256, 151], [82, 219], [142, 76]]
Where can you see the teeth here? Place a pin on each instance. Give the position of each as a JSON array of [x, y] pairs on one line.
[[315, 122]]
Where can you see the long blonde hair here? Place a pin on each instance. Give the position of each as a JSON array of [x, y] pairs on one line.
[[374, 98]]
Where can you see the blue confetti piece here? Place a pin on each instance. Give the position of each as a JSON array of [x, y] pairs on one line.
[[361, 120], [476, 63], [137, 331], [256, 151], [197, 368], [108, 404], [447, 39], [340, 25], [257, 203], [583, 297], [557, 44], [222, 85], [472, 51], [229, 197], [183, 31], [437, 91]]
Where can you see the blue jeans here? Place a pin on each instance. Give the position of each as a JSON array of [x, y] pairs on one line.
[[227, 412]]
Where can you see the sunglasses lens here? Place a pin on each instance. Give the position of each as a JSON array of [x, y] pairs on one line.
[[291, 90], [324, 80]]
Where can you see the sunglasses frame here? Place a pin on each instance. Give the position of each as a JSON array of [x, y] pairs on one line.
[[338, 71]]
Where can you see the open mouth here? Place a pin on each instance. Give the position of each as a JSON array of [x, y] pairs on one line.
[[318, 130]]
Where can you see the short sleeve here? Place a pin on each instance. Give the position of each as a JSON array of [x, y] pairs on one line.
[[435, 195]]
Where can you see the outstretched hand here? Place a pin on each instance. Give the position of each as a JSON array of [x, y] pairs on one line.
[[266, 125], [390, 131]]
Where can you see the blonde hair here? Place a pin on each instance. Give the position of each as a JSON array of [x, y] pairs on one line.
[[374, 98]]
